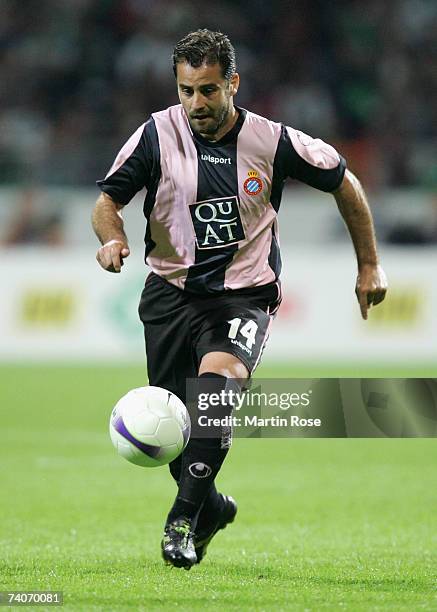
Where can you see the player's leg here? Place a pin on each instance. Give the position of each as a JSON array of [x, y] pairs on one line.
[[238, 329], [218, 510], [200, 463], [203, 456]]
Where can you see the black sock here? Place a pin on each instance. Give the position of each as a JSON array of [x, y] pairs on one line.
[[212, 506], [211, 510], [175, 468], [200, 463]]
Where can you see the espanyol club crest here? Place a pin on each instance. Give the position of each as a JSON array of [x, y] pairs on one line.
[[253, 185]]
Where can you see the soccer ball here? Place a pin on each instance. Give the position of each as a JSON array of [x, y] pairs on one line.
[[149, 426]]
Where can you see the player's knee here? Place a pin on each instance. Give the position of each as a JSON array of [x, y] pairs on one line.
[[223, 364]]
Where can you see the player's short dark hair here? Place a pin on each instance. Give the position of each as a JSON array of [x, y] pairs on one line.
[[204, 46]]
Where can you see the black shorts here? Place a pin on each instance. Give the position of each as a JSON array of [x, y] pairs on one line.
[[180, 328]]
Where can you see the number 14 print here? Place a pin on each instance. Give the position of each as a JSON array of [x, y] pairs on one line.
[[248, 331]]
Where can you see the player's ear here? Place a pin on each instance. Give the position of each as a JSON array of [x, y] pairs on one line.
[[234, 83]]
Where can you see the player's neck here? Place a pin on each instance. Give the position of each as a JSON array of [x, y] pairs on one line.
[[231, 120]]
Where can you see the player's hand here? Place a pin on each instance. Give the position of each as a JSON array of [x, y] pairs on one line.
[[371, 287], [110, 256]]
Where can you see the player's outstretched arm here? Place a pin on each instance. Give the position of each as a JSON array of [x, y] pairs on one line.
[[352, 203], [108, 226]]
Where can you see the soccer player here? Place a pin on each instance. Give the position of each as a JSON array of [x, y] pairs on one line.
[[214, 175]]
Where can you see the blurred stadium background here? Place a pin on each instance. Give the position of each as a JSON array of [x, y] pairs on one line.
[[356, 517], [78, 77]]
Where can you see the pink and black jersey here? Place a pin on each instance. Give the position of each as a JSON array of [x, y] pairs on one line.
[[211, 207]]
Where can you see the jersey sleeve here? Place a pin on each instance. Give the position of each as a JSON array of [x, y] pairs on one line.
[[133, 166], [310, 160]]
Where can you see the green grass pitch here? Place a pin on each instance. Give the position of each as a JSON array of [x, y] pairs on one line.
[[322, 524]]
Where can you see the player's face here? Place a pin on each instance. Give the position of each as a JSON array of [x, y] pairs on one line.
[[207, 98]]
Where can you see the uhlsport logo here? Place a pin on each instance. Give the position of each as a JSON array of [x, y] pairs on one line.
[[200, 470], [216, 160], [253, 184], [217, 222]]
